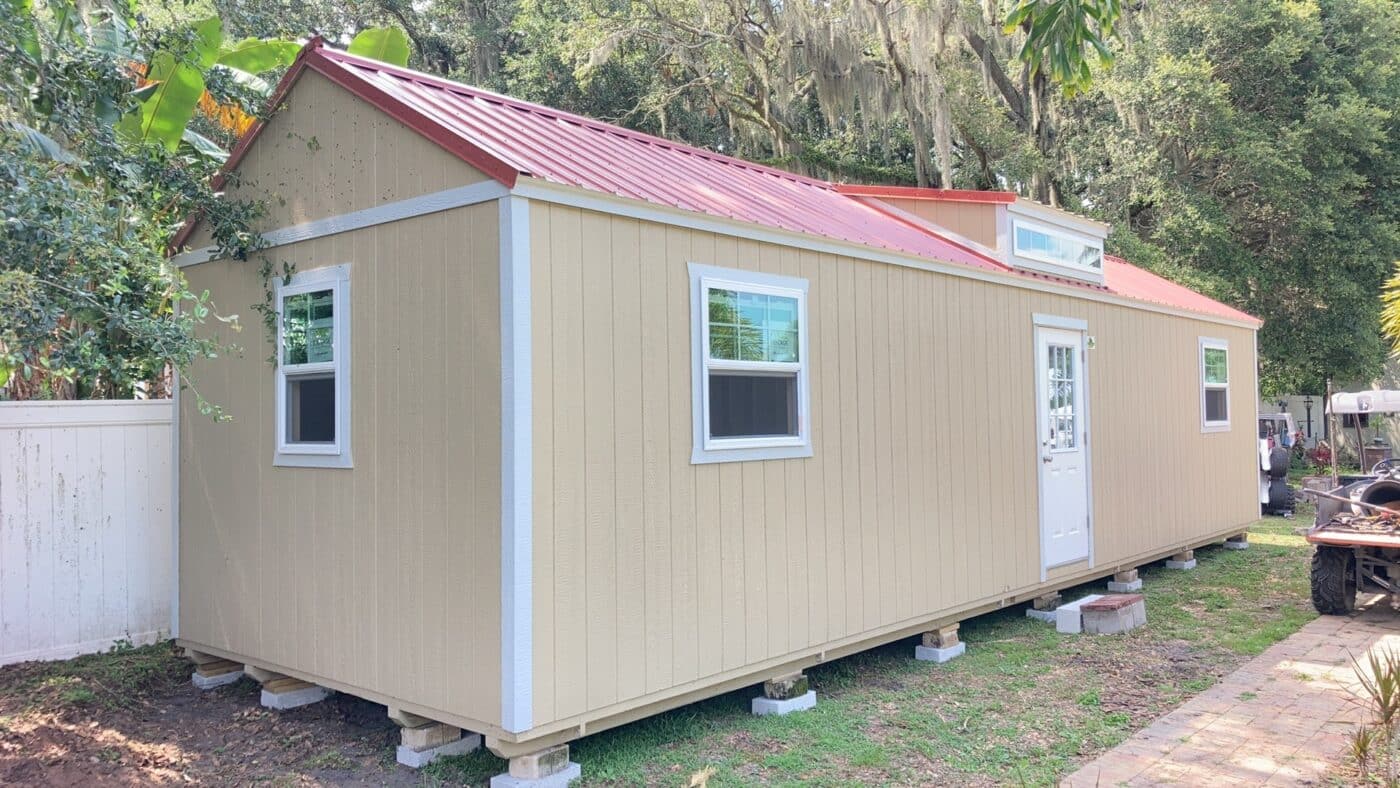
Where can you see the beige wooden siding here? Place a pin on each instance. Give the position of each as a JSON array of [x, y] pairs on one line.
[[385, 577], [328, 152], [975, 221], [655, 576]]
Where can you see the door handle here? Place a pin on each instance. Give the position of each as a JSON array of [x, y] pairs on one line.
[[1047, 458]]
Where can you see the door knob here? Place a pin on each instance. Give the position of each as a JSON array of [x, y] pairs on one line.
[[1047, 458]]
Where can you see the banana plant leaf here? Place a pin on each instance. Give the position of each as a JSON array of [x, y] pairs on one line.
[[385, 44]]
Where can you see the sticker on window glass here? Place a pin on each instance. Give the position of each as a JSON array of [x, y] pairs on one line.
[[752, 327]]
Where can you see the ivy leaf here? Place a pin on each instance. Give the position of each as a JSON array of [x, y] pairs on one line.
[[385, 44], [256, 55]]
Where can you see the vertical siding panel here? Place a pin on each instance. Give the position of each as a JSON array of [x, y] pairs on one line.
[[627, 330], [570, 461], [882, 504], [441, 637], [852, 520], [544, 383], [804, 479], [756, 601], [867, 440], [682, 247], [830, 441], [901, 427], [943, 414], [734, 568], [656, 454], [600, 547]]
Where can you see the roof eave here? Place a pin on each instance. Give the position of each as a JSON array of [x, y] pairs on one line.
[[312, 57]]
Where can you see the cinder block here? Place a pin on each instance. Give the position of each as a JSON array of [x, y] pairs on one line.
[[1172, 563], [291, 696], [1067, 617], [572, 771], [1125, 582], [1114, 614], [1048, 616], [417, 759], [217, 680], [940, 655], [763, 706], [1237, 542]]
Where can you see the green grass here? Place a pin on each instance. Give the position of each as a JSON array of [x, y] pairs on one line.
[[1025, 705]]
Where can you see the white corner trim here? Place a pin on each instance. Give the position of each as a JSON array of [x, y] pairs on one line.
[[517, 483], [369, 217], [576, 197], [175, 497]]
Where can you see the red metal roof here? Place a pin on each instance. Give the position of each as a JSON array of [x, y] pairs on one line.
[[507, 138], [559, 147], [1125, 279]]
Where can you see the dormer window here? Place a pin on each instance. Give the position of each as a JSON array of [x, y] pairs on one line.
[[1040, 243]]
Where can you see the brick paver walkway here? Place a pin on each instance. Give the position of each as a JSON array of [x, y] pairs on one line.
[[1282, 719]]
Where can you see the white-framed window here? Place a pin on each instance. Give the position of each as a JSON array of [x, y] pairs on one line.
[[749, 387], [1215, 384], [1035, 241], [313, 369]]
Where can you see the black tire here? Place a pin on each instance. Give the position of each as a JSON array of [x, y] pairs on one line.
[[1278, 462], [1281, 497], [1334, 580]]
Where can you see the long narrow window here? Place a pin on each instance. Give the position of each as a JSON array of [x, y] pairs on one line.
[[1215, 385], [750, 383], [313, 369]]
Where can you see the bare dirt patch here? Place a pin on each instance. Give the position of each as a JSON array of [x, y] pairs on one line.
[[141, 722]]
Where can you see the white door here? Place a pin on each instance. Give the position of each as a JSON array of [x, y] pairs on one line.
[[1062, 456]]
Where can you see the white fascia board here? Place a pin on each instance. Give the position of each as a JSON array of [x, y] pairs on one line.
[[544, 191], [1058, 217], [435, 202], [517, 484]]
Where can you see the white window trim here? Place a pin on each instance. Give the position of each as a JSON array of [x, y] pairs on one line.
[[335, 455], [1040, 262], [709, 450], [1216, 344]]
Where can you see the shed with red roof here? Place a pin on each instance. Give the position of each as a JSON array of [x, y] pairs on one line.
[[570, 424]]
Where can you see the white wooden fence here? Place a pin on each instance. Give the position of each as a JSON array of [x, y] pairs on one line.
[[85, 542]]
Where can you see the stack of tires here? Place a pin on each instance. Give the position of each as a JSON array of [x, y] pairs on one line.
[[1280, 494]]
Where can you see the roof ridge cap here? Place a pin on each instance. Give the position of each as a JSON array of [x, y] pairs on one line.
[[592, 124]]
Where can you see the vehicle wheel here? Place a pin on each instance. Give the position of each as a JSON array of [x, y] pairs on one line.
[[1280, 496], [1278, 462], [1334, 581]]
